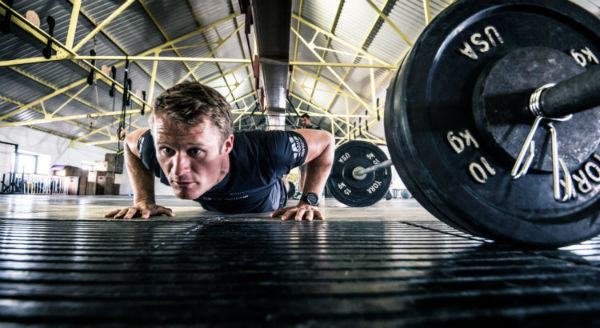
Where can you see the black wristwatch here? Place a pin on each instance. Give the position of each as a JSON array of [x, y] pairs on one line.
[[311, 199]]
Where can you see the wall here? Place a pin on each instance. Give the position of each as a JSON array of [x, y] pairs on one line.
[[57, 148], [30, 140]]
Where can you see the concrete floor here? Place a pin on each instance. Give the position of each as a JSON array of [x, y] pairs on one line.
[[94, 207], [388, 265]]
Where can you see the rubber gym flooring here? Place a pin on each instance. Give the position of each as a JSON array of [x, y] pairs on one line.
[[389, 265]]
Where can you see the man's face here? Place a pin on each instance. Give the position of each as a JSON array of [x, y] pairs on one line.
[[305, 121], [193, 157]]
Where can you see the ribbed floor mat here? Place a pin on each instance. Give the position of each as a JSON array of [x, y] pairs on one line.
[[270, 273]]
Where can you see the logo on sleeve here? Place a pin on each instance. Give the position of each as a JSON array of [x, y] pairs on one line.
[[140, 144], [298, 147]]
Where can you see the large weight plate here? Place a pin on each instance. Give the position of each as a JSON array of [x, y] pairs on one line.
[[358, 192], [447, 163]]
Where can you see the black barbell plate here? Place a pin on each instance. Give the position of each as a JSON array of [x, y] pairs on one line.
[[358, 192], [429, 109]]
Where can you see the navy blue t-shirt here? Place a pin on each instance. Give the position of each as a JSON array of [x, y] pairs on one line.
[[257, 163]]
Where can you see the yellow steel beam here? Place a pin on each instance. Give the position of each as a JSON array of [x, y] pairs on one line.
[[109, 19], [343, 140], [111, 39], [33, 60], [244, 111], [23, 61], [352, 114], [219, 67], [42, 35], [152, 79], [347, 131], [212, 52], [95, 131], [62, 50], [165, 36], [96, 143], [36, 32], [53, 87], [244, 97], [377, 86], [370, 124], [69, 100], [167, 58], [340, 40], [342, 82], [194, 46], [73, 24], [318, 108], [329, 115], [18, 103], [362, 44], [342, 52], [335, 89], [427, 11], [26, 25], [231, 91], [68, 118], [394, 27], [373, 92], [62, 135], [184, 37], [44, 109], [231, 71], [33, 103], [327, 45], [163, 46], [329, 64], [296, 45]]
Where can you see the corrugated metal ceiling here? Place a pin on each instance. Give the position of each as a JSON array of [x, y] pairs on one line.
[[138, 29]]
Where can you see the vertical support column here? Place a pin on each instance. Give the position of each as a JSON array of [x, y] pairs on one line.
[[153, 78], [73, 24], [427, 10]]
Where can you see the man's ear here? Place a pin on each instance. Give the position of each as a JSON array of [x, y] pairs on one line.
[[228, 144]]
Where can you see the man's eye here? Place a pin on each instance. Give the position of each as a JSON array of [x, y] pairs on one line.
[[194, 152], [167, 151]]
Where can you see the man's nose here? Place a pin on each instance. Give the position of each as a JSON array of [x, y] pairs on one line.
[[181, 164]]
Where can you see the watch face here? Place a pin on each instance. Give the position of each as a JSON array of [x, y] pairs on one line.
[[312, 199]]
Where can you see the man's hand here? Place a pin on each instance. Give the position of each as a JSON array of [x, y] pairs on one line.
[[143, 210], [298, 212]]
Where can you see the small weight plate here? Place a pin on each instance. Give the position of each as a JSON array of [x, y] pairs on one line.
[[291, 189], [443, 158], [358, 192]]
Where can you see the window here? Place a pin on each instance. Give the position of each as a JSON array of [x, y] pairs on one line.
[[27, 163]]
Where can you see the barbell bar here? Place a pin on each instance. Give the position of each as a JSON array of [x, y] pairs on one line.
[[360, 173]]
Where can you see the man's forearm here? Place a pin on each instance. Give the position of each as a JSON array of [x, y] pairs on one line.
[[141, 179], [317, 171]]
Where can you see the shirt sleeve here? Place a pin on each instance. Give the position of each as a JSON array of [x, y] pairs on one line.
[[286, 150], [147, 151]]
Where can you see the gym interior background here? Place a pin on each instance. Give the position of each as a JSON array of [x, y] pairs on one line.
[[76, 73]]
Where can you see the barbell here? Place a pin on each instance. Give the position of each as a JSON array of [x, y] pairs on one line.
[[493, 124], [360, 174]]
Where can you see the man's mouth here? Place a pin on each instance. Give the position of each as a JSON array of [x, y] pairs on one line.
[[182, 184]]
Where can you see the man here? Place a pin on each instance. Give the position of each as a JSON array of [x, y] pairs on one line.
[[191, 147], [305, 118]]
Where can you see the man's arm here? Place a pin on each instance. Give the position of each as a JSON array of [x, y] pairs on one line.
[[142, 182], [319, 158]]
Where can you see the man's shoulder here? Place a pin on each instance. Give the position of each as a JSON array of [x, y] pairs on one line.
[[145, 142], [258, 135], [262, 142]]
